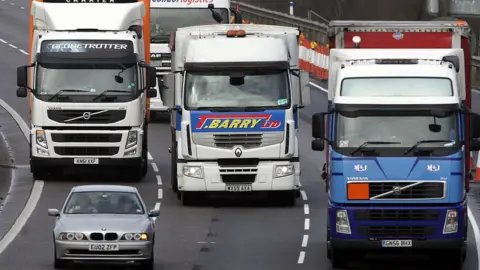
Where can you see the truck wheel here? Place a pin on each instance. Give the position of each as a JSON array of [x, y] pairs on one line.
[[145, 152], [284, 198], [451, 259], [40, 173]]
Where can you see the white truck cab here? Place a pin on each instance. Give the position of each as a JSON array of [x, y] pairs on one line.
[[87, 86]]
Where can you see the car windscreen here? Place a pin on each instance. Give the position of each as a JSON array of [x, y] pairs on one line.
[[104, 202]]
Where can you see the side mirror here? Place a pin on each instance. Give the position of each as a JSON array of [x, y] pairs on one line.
[[53, 212], [306, 96], [318, 145], [304, 81], [474, 145], [154, 213], [474, 126], [22, 76], [21, 92], [318, 126], [151, 92], [151, 77]]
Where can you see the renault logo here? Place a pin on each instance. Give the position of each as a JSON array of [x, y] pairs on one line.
[[86, 115], [238, 152]]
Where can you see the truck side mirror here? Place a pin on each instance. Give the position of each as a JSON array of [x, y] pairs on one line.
[[474, 126], [318, 126], [474, 145], [22, 92], [318, 145], [22, 76], [151, 77], [151, 92], [305, 88]]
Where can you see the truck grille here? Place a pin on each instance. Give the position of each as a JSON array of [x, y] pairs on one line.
[[86, 116], [397, 231], [238, 178], [80, 137], [396, 215], [424, 190], [231, 140], [86, 151]]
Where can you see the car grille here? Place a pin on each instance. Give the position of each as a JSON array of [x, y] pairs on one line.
[[97, 236], [86, 151], [232, 140], [96, 116], [397, 231], [81, 137], [424, 190], [396, 215]]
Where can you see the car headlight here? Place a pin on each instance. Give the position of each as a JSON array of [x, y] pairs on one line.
[[41, 139], [135, 237], [193, 171], [284, 170], [451, 222], [131, 139], [342, 223], [70, 236]]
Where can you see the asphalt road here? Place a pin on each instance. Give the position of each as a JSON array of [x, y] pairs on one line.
[[228, 236]]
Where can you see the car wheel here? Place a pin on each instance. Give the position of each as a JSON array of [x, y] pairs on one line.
[[148, 264], [60, 264]]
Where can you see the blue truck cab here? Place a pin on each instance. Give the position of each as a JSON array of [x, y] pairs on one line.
[[395, 141]]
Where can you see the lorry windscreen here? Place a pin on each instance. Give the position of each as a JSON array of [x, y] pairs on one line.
[[167, 20], [89, 79], [265, 89], [405, 128], [396, 87]]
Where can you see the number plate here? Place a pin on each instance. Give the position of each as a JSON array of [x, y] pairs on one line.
[[85, 161], [396, 243], [103, 247], [239, 188]]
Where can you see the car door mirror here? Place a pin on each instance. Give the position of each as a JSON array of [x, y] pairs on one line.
[[53, 212], [154, 213], [22, 92]]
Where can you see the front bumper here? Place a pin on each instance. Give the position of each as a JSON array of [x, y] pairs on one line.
[[263, 180], [78, 251], [426, 244], [69, 162]]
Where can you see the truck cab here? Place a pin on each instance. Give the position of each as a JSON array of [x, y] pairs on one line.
[[87, 85]]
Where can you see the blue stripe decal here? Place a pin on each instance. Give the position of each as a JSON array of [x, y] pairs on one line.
[[178, 118], [374, 158]]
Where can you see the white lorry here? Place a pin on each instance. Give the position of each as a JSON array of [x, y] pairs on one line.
[[166, 17], [235, 113], [87, 86]]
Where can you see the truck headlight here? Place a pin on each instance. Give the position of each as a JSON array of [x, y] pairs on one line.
[[193, 171], [451, 222], [342, 223], [131, 139], [284, 170], [41, 139]]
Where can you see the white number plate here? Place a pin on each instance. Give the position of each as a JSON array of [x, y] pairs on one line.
[[103, 247], [85, 161], [396, 243], [239, 188]]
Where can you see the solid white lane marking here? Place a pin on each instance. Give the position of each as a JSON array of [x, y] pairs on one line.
[[35, 194], [306, 226], [318, 86], [304, 195], [159, 180], [305, 240], [154, 166], [149, 156], [306, 209], [3, 41], [301, 257], [160, 193]]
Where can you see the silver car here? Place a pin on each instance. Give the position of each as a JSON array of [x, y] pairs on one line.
[[104, 223]]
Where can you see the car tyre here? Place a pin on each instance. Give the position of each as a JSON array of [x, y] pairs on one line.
[[148, 264], [60, 264]]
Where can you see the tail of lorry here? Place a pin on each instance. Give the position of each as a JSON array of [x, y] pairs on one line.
[[409, 35]]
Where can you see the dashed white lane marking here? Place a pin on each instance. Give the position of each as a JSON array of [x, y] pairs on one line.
[[154, 166], [301, 257], [305, 241], [149, 156], [304, 195], [306, 225], [159, 180], [306, 209], [157, 207], [160, 194]]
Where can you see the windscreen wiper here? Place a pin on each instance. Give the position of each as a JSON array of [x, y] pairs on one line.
[[215, 109], [360, 147], [425, 141], [66, 91], [110, 91], [160, 38]]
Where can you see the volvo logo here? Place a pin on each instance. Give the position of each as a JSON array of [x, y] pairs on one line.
[[86, 115], [238, 152], [397, 190]]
